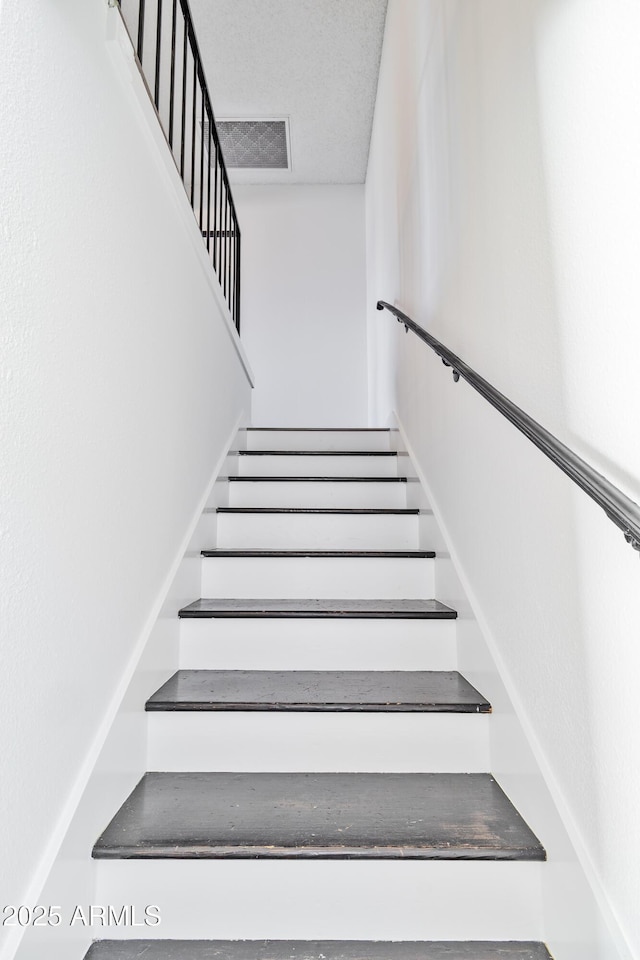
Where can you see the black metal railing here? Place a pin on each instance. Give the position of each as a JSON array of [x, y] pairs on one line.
[[623, 511], [167, 53]]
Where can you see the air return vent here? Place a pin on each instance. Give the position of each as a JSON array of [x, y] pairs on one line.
[[255, 144]]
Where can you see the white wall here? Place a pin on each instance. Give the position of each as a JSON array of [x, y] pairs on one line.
[[123, 757], [122, 383], [503, 213], [303, 303]]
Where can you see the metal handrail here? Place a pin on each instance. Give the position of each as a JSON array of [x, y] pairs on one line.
[[620, 509], [183, 107]]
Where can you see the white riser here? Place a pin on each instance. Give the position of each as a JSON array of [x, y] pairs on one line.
[[318, 577], [290, 531], [267, 466], [341, 495], [317, 440], [259, 899], [328, 742], [322, 644]]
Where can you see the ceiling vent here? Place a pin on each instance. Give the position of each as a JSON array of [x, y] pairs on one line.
[[255, 144]]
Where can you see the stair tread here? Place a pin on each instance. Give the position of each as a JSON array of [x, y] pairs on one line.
[[423, 816], [349, 511], [315, 453], [370, 691], [306, 479], [317, 429], [362, 609], [389, 554], [316, 950]]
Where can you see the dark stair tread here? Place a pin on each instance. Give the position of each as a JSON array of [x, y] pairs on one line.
[[361, 609], [316, 950], [322, 691], [344, 816], [316, 429], [290, 479], [315, 453], [375, 554], [356, 511]]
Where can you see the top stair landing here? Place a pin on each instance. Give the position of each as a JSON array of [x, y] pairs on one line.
[[350, 440]]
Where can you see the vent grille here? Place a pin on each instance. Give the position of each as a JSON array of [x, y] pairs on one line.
[[254, 144]]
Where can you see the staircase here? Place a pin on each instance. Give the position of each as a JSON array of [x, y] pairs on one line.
[[319, 785]]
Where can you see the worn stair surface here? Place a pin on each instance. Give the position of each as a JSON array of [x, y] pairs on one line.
[[290, 479], [316, 453], [423, 816], [335, 554], [348, 511], [362, 609], [315, 950], [318, 764], [367, 721], [322, 691]]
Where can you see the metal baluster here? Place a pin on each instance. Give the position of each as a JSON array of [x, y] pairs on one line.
[[201, 150], [184, 97], [235, 264], [172, 83], [226, 240], [232, 245], [215, 205], [156, 98], [209, 125], [140, 30], [193, 127], [238, 262], [220, 161], [227, 285]]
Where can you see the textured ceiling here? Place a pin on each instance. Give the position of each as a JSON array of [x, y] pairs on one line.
[[313, 61]]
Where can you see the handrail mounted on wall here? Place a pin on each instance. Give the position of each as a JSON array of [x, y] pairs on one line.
[[620, 509]]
